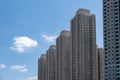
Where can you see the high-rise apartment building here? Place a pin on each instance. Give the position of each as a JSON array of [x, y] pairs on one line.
[[84, 55], [100, 63], [63, 57], [50, 63], [111, 23], [42, 67]]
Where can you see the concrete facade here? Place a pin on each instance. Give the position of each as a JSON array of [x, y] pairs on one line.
[[42, 67], [50, 63], [63, 43], [46, 64], [111, 29], [100, 64], [84, 56], [75, 56]]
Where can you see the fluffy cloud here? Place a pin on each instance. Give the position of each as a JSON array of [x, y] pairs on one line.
[[20, 68], [2, 66], [49, 38], [31, 78], [22, 44]]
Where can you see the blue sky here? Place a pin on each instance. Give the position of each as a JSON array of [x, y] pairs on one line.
[[28, 27]]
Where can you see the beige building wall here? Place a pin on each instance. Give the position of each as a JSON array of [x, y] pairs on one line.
[[51, 53], [63, 56], [100, 64], [42, 67], [84, 56]]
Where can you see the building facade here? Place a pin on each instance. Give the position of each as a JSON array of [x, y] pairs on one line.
[[111, 23], [100, 63], [50, 63], [42, 67], [63, 68], [84, 56]]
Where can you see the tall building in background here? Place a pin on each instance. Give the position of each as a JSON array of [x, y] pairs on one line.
[[63, 59], [42, 67], [84, 54], [100, 63], [111, 19], [76, 56], [50, 63]]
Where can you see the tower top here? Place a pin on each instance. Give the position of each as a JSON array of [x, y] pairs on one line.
[[43, 55], [52, 47], [83, 11], [65, 32]]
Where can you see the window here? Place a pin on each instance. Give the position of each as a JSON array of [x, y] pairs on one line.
[[115, 2], [118, 74], [116, 13], [117, 59], [105, 31], [105, 48], [117, 47], [116, 24], [104, 3], [105, 45], [116, 28], [117, 62], [118, 78], [116, 20], [105, 34], [116, 10], [117, 43], [117, 54], [118, 66], [118, 70], [116, 39], [116, 35], [106, 68], [105, 56], [117, 50]]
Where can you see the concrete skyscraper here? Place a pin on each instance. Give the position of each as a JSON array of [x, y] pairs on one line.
[[42, 67], [76, 55], [50, 63], [111, 23], [100, 63], [84, 54], [63, 68]]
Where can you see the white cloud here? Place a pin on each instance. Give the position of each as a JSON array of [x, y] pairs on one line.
[[31, 78], [49, 38], [23, 70], [22, 44], [2, 66], [20, 68]]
